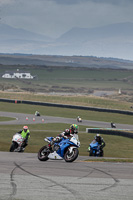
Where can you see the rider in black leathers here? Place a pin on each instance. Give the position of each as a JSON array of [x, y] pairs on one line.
[[100, 141], [67, 134]]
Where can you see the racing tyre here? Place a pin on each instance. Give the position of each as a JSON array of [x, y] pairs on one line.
[[91, 153], [70, 157], [43, 154], [101, 153], [13, 146]]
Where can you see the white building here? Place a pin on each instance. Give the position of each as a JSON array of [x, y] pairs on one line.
[[21, 75]]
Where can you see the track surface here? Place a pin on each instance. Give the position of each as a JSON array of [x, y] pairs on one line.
[[20, 118], [24, 177]]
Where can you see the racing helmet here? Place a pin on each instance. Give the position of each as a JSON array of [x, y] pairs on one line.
[[25, 128], [74, 128], [67, 132], [97, 137]]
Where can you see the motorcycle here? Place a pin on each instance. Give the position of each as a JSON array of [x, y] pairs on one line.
[[17, 142], [66, 149], [37, 114], [94, 149], [79, 119], [113, 125]]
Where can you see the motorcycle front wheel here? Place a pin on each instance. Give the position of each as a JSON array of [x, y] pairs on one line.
[[91, 153], [14, 146], [43, 154], [70, 157]]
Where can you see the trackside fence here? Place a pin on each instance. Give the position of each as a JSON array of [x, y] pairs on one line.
[[109, 131], [126, 112], [125, 133]]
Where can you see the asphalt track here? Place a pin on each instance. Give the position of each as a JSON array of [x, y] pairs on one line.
[[24, 177], [20, 118]]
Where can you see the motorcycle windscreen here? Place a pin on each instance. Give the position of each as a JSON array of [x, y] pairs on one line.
[[94, 144]]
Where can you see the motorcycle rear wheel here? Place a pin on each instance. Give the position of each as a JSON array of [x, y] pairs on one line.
[[43, 154], [101, 153], [70, 157]]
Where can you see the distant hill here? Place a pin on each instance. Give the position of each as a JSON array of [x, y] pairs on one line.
[[114, 40], [64, 61], [14, 40], [104, 32], [10, 34]]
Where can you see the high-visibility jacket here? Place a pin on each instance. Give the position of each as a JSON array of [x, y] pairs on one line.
[[24, 134]]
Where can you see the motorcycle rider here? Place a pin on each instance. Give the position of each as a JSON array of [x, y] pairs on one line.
[[113, 125], [74, 129], [100, 141], [78, 118], [37, 113], [67, 134], [25, 133]]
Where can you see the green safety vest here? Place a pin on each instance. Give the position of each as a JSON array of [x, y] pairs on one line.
[[24, 134]]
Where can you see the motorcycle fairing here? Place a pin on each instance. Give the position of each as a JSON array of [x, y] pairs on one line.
[[64, 144], [95, 146], [17, 138], [54, 156]]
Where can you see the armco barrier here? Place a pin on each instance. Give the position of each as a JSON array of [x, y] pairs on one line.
[[126, 112], [109, 131], [10, 101]]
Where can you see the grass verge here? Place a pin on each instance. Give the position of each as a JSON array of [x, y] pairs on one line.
[[116, 146], [81, 100], [65, 112], [119, 160], [6, 119]]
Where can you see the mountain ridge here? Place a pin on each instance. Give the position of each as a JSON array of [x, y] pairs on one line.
[[18, 33], [114, 40]]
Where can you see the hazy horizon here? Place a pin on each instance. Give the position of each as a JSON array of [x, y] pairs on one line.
[[53, 18]]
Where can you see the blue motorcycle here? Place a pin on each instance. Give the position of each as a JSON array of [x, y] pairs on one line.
[[94, 149], [66, 149]]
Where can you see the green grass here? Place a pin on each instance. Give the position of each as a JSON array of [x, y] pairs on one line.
[[72, 100], [55, 78], [119, 160], [6, 119], [64, 112], [116, 146]]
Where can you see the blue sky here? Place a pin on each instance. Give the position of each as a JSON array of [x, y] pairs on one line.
[[55, 17]]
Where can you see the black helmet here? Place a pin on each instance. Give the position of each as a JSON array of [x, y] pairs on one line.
[[97, 137]]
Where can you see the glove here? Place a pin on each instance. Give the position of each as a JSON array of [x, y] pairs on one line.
[[62, 134], [57, 139], [88, 149], [54, 139]]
